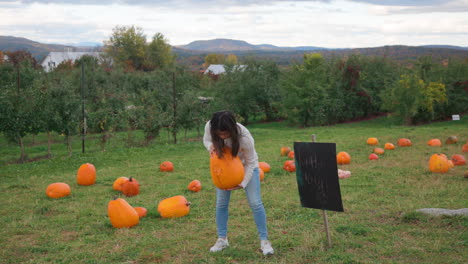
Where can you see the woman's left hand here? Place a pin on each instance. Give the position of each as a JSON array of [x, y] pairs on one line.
[[237, 187]]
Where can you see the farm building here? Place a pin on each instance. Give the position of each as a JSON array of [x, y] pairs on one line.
[[53, 59], [217, 69]]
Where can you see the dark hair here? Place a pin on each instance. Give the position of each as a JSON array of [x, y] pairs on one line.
[[224, 121]]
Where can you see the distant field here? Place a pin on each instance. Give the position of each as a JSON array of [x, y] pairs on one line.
[[379, 224]]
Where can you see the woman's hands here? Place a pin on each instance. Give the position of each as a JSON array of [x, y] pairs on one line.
[[237, 187]]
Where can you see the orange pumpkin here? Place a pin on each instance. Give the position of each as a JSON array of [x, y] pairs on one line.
[[435, 142], [458, 160], [261, 174], [450, 164], [343, 158], [131, 187], [227, 171], [404, 142], [118, 183], [438, 163], [122, 214], [379, 151], [372, 141], [166, 166], [58, 190], [264, 166], [141, 211], [284, 151], [86, 174], [373, 156], [451, 140], [194, 186], [465, 148], [291, 154], [389, 146], [289, 166], [176, 206]]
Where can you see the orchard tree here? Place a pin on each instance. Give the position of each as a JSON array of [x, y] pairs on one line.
[[127, 47], [159, 53]]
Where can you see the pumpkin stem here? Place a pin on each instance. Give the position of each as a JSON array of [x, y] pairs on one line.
[[115, 197], [188, 203], [130, 179]]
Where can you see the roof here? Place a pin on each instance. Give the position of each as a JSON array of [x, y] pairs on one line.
[[219, 68], [53, 59]]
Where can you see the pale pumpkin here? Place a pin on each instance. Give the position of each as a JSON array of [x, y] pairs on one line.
[[86, 174], [343, 158], [176, 206], [194, 186], [226, 172], [58, 190], [438, 163], [118, 183], [122, 214]]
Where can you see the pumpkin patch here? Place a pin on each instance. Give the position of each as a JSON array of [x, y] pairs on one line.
[[58, 190], [438, 163], [86, 174], [176, 206], [122, 214], [372, 141]]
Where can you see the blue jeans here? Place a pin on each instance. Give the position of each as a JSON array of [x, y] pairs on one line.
[[252, 190]]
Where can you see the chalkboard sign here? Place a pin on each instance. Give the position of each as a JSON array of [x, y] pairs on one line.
[[317, 175]]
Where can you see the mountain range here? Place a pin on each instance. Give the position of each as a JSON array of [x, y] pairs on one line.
[[194, 52]]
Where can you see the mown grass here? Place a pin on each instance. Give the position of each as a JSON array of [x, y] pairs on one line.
[[379, 224]]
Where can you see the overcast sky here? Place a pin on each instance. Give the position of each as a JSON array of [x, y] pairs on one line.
[[324, 23]]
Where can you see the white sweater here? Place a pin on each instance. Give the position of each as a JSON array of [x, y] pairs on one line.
[[247, 153]]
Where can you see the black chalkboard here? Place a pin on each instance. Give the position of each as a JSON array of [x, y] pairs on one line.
[[317, 176]]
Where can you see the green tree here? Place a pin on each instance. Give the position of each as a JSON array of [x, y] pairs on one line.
[[127, 47], [214, 58], [159, 53]]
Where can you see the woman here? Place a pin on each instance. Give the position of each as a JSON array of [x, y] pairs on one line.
[[223, 130]]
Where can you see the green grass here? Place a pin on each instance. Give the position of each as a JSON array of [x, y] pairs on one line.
[[379, 224]]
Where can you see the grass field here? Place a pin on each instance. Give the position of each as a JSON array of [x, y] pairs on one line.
[[379, 224]]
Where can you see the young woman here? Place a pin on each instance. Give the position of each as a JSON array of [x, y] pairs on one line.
[[223, 130]]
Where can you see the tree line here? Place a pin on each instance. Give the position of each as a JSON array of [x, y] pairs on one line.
[[141, 87]]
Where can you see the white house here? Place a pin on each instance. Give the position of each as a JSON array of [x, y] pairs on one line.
[[53, 59], [217, 69]]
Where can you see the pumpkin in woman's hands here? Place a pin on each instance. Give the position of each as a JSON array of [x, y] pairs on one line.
[[458, 160], [435, 142], [264, 166], [141, 211], [438, 163], [176, 206], [131, 187], [166, 166], [58, 190], [86, 174], [226, 172], [343, 158], [118, 183], [289, 166], [122, 214], [194, 186]]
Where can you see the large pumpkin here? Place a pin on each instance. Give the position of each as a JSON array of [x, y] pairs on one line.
[[194, 186], [131, 187], [166, 166], [58, 190], [404, 142], [118, 183], [86, 174], [458, 160], [226, 172], [343, 158], [435, 142], [389, 146], [289, 166], [284, 151], [176, 206], [438, 163], [122, 214], [264, 166], [372, 141]]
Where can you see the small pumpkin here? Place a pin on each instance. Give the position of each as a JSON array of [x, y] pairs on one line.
[[450, 164], [141, 211], [289, 166], [373, 156], [451, 140], [227, 171], [261, 174], [176, 206], [284, 151], [58, 190], [122, 214], [118, 183], [458, 160], [264, 166], [131, 187], [438, 163], [166, 166], [389, 146], [379, 151], [86, 174], [343, 158], [465, 148], [194, 186], [404, 142], [372, 141], [291, 154], [435, 142]]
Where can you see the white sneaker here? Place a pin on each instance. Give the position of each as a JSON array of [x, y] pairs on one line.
[[266, 247], [220, 244]]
